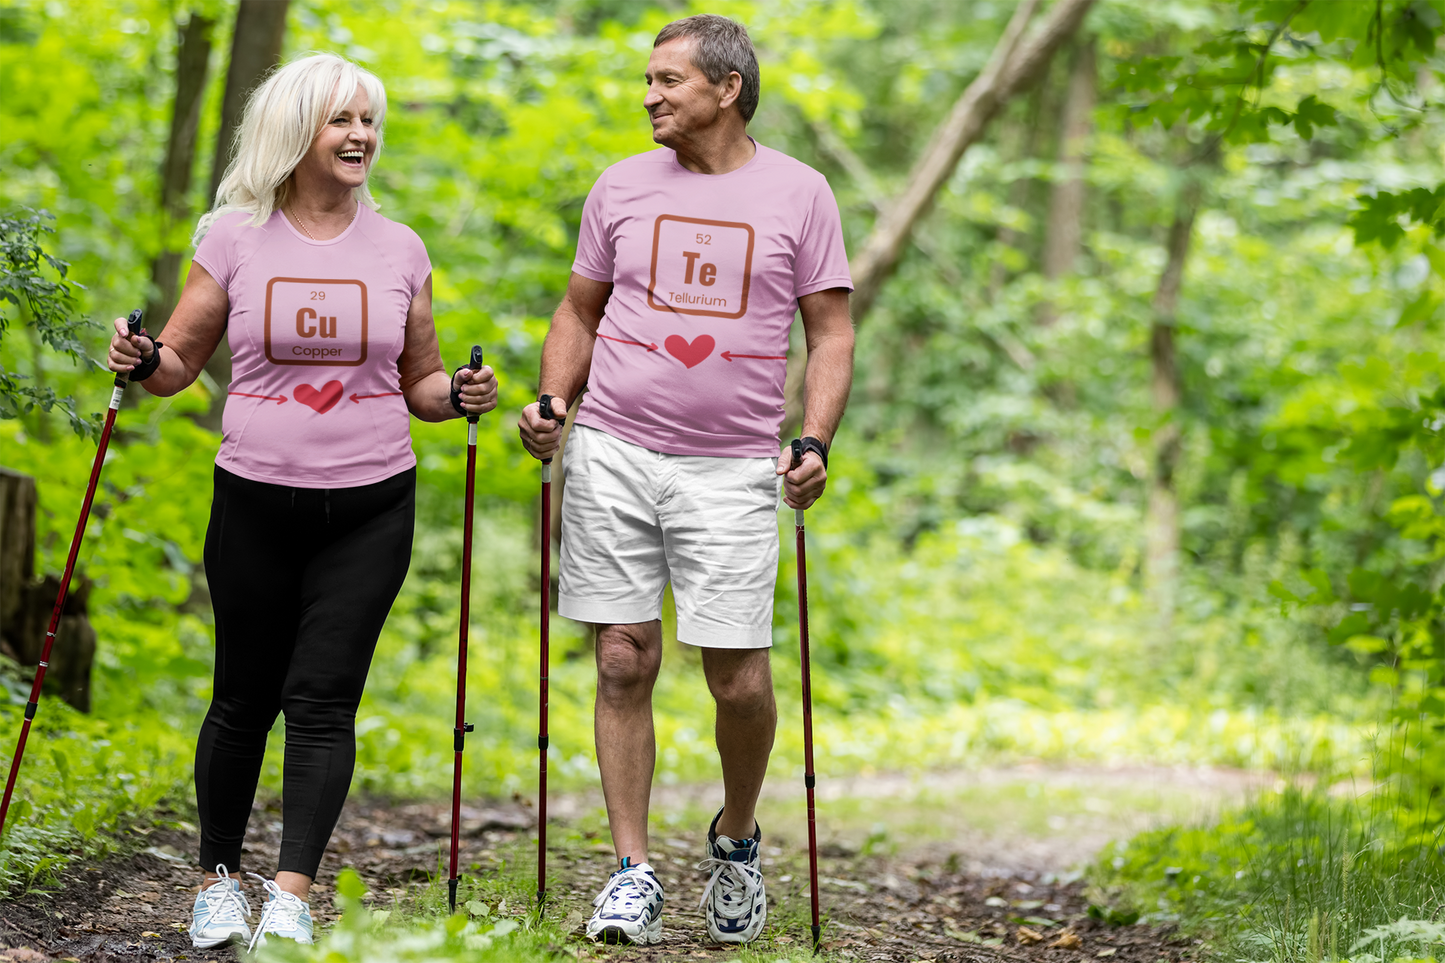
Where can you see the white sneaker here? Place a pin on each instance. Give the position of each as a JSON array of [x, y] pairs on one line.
[[220, 913], [735, 905], [284, 916], [629, 908]]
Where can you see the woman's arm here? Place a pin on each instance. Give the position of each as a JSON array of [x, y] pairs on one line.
[[191, 335], [424, 381]]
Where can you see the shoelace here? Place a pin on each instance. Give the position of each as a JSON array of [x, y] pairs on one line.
[[745, 878], [224, 904], [284, 913], [625, 890]]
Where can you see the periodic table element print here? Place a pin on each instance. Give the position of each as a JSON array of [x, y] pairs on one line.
[[316, 321], [700, 267]]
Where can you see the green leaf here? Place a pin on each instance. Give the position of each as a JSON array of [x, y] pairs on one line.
[[1420, 309], [1311, 114], [349, 884]]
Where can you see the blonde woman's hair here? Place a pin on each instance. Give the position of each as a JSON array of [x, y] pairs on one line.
[[280, 123]]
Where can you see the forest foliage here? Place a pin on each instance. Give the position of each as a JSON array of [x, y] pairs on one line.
[[980, 564]]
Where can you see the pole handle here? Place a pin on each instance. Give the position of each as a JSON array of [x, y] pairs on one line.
[[544, 410], [133, 325], [474, 364]]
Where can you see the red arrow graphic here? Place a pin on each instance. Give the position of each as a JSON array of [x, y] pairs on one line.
[[279, 399], [728, 356], [356, 398], [649, 347]]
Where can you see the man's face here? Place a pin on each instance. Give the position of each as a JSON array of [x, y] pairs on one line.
[[680, 99]]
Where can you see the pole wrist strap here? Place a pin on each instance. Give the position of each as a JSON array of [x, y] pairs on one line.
[[146, 368], [456, 395], [813, 444]]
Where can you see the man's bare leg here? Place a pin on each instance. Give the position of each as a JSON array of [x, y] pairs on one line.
[[628, 658], [741, 681]]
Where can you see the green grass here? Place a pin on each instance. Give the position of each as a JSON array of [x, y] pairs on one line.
[[1296, 876]]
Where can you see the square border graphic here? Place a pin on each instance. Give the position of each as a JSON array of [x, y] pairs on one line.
[[656, 305], [315, 364]]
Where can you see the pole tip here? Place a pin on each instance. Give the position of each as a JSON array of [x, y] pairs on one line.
[[817, 938], [452, 894]]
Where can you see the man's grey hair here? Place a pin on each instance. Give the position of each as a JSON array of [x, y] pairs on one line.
[[719, 47]]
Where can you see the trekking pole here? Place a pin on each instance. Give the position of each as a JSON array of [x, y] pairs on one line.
[[809, 780], [121, 379], [544, 408], [459, 734]]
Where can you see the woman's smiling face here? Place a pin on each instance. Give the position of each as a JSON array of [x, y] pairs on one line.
[[341, 154]]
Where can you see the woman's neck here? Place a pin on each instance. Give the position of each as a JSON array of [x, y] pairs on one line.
[[321, 214]]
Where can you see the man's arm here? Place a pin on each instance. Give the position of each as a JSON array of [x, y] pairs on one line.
[[566, 361], [828, 330]]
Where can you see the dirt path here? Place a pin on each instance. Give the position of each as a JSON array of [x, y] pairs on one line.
[[949, 867]]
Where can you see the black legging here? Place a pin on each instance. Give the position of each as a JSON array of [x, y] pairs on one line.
[[301, 580]]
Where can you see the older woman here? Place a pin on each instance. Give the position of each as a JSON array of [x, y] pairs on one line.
[[327, 308]]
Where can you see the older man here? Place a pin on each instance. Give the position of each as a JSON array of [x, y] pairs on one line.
[[691, 263]]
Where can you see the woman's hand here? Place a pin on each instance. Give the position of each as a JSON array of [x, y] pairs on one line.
[[478, 389], [128, 350]]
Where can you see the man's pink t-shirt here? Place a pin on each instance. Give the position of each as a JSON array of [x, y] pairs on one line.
[[315, 328], [706, 271]]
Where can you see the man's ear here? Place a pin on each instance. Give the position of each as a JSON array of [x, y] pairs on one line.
[[732, 88]]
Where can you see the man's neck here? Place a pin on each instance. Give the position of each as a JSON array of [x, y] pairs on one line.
[[721, 150]]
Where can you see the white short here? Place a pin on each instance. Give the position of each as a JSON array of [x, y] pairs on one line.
[[633, 518]]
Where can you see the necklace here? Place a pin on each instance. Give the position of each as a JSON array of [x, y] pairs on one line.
[[313, 237]]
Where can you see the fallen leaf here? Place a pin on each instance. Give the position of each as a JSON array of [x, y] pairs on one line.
[[995, 901], [1108, 952], [1068, 940], [168, 853], [783, 939], [1028, 937], [23, 954], [150, 933], [964, 936]]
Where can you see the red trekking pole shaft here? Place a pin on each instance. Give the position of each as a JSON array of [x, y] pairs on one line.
[[544, 408], [31, 705], [809, 779], [459, 734]]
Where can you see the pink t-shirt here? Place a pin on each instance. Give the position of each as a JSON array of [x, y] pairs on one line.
[[706, 270], [315, 328]]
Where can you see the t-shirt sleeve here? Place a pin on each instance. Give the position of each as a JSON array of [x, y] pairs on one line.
[[217, 251], [596, 253], [822, 260], [418, 264]]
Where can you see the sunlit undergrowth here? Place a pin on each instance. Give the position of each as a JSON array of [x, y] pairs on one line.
[[1296, 875]]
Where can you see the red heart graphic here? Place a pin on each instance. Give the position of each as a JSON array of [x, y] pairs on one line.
[[322, 401], [689, 354]]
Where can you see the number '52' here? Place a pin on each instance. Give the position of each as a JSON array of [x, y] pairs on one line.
[[704, 239]]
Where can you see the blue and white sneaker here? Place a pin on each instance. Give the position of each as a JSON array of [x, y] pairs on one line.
[[734, 903], [629, 908], [284, 916], [220, 914]]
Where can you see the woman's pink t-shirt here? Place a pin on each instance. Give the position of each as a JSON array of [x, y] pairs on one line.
[[315, 328], [706, 271]]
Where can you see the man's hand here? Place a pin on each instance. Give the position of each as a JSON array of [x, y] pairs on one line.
[[802, 484], [478, 388], [542, 436]]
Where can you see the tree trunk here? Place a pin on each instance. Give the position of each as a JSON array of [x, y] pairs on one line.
[[1063, 236], [1014, 65], [255, 49], [26, 605], [193, 56], [1161, 524]]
